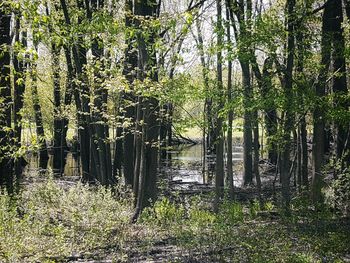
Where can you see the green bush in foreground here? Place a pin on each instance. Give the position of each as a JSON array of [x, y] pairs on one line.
[[47, 221]]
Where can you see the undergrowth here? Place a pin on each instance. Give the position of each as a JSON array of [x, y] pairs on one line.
[[248, 233], [50, 222], [46, 223]]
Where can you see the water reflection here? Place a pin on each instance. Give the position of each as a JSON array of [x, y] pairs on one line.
[[71, 167], [183, 165], [186, 165]]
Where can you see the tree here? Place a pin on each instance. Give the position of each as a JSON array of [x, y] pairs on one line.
[[5, 98], [219, 143], [243, 13], [145, 183], [318, 115], [288, 92]]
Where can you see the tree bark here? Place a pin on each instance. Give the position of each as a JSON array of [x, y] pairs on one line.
[[58, 138], [219, 168], [146, 62], [81, 95], [247, 126], [318, 116], [230, 116], [243, 12], [340, 83], [19, 82], [43, 153], [208, 120], [288, 93], [5, 100], [128, 98], [100, 143]]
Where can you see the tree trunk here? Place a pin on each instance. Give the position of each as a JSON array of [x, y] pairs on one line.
[[100, 144], [305, 156], [219, 168], [288, 92], [19, 75], [138, 148], [81, 95], [302, 151], [256, 154], [5, 99], [143, 168], [270, 115], [19, 83], [208, 100], [70, 87], [150, 133], [118, 150], [340, 82], [129, 71], [318, 118], [43, 153], [230, 117], [247, 126], [58, 144]]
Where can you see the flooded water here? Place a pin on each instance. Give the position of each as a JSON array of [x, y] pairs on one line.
[[71, 168], [185, 165], [188, 166]]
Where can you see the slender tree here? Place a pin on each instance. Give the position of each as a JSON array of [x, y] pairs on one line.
[[318, 115], [219, 143], [230, 112], [288, 93], [5, 98]]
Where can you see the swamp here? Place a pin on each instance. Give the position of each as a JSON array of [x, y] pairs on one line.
[[174, 131]]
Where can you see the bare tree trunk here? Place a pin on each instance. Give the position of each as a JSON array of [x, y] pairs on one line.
[[256, 154], [43, 153], [19, 75], [219, 169], [130, 64], [208, 100], [247, 126], [118, 149], [5, 99], [270, 115], [302, 151], [230, 116], [138, 148], [318, 118], [305, 155], [299, 160], [70, 87], [19, 83], [143, 169], [58, 144], [100, 128]]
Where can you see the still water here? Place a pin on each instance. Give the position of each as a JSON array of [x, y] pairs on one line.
[[183, 166]]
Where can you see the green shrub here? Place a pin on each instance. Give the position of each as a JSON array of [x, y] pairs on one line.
[[254, 208], [231, 213], [163, 213], [338, 195], [47, 221]]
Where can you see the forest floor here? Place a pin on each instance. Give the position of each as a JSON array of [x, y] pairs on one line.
[[52, 220]]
